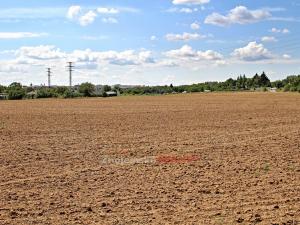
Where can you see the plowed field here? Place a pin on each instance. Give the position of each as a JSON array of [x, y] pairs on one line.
[[219, 158]]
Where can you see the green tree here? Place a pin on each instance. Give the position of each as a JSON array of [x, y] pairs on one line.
[[16, 91], [264, 81], [61, 90], [277, 84], [104, 95], [15, 85], [71, 94], [287, 87], [2, 89], [241, 82], [87, 89], [45, 92], [229, 84], [256, 81], [106, 88]]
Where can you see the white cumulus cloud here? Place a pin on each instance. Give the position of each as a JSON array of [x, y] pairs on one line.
[[186, 52], [252, 52], [190, 2], [103, 10], [42, 52], [45, 54], [184, 37], [238, 15], [269, 39], [195, 26], [128, 57], [275, 30], [87, 18], [283, 31], [73, 12], [182, 10]]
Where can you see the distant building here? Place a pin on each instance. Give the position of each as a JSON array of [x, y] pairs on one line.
[[111, 93], [3, 96]]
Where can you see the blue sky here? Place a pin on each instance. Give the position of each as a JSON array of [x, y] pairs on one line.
[[147, 42]]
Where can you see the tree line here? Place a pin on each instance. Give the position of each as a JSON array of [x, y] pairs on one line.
[[16, 91], [242, 83]]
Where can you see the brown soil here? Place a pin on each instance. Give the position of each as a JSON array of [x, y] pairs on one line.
[[220, 158]]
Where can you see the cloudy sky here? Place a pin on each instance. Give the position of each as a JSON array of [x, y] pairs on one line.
[[147, 42]]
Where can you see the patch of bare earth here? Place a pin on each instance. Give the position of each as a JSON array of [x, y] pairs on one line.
[[221, 158]]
